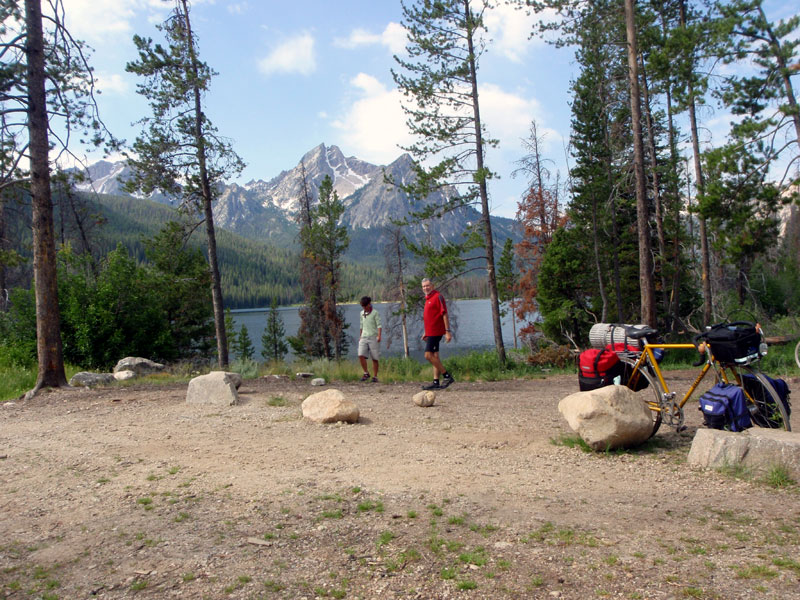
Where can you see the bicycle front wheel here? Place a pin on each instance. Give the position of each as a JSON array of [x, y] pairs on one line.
[[768, 409], [645, 379]]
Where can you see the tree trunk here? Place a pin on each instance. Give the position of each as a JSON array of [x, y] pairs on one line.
[[205, 186], [648, 313], [675, 194], [484, 195], [705, 253], [3, 247], [596, 244], [48, 323], [651, 148]]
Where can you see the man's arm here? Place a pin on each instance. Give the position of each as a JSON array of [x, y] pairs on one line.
[[447, 335]]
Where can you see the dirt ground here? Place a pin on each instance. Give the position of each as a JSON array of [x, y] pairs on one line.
[[129, 492]]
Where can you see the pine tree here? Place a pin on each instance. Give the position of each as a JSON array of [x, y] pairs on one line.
[[230, 325], [312, 337], [396, 271], [507, 282], [539, 215], [440, 80], [243, 345], [766, 100], [180, 151], [330, 241], [273, 346], [45, 82]]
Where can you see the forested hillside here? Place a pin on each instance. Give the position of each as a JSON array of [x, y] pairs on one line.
[[253, 272]]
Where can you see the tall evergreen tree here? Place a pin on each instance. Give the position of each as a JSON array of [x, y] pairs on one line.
[[312, 336], [329, 241], [440, 81], [647, 286], [180, 151], [46, 96]]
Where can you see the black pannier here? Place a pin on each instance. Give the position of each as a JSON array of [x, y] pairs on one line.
[[734, 342]]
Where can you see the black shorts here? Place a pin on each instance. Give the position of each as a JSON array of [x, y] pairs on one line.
[[432, 343]]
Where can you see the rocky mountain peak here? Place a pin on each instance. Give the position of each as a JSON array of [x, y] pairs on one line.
[[267, 209]]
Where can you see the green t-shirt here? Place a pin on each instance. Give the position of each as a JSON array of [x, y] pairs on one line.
[[370, 323]]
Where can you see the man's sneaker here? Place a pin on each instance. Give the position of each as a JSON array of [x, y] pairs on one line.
[[431, 386], [365, 377], [447, 380], [374, 380]]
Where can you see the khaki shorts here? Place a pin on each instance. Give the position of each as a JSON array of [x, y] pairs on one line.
[[368, 347]]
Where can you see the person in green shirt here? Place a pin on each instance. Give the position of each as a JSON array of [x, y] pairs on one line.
[[369, 338]]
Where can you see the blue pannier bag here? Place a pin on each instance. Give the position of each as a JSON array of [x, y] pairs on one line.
[[724, 406]]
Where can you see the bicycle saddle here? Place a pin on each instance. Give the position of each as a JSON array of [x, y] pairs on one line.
[[637, 333]]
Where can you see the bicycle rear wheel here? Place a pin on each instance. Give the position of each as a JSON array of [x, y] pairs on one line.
[[636, 384], [769, 409]]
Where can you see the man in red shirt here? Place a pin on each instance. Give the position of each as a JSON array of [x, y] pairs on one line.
[[437, 325]]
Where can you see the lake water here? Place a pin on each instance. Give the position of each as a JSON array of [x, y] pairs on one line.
[[471, 322]]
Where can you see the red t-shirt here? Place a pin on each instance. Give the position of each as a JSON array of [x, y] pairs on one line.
[[433, 315]]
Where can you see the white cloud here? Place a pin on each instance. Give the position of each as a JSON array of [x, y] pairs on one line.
[[113, 83], [508, 116], [295, 55], [374, 125], [510, 30], [95, 20], [393, 37]]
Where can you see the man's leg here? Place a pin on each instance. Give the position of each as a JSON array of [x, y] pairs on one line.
[[375, 367], [438, 368], [363, 361]]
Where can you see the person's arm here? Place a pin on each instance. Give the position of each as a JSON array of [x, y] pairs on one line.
[[447, 335], [379, 334]]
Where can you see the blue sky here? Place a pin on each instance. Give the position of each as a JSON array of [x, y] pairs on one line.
[[296, 74]]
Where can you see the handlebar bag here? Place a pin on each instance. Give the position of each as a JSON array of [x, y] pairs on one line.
[[734, 343]]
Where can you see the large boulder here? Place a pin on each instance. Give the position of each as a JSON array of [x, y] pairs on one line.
[[330, 406], [140, 366], [218, 387], [87, 379], [609, 417], [756, 448]]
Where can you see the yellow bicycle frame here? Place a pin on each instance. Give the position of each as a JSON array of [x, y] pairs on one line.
[[647, 357]]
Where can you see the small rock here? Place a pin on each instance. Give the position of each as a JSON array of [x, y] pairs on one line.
[[318, 381], [140, 366], [87, 379], [424, 399], [124, 375]]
